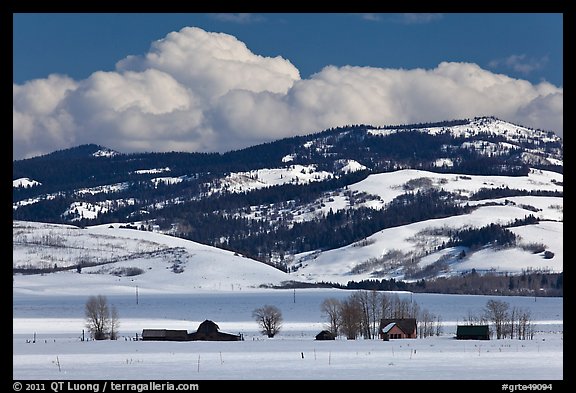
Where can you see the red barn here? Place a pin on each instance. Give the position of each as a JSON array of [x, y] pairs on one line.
[[397, 328]]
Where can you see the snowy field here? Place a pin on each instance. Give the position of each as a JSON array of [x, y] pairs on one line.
[[56, 322]]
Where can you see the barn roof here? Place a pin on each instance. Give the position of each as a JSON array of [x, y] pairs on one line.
[[163, 333], [208, 326], [472, 330], [325, 335], [407, 325]]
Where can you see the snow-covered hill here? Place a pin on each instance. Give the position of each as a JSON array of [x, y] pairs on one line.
[[124, 258], [512, 135], [118, 260], [404, 252]]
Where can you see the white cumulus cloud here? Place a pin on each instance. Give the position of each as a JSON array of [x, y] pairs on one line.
[[40, 123], [214, 63], [201, 91]]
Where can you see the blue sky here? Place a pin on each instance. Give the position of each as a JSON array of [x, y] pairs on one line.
[[522, 45], [282, 64]]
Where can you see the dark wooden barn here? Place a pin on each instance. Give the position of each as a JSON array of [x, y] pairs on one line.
[[472, 332], [397, 328], [207, 331], [325, 335]]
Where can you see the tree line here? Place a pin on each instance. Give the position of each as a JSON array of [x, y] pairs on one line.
[[527, 283]]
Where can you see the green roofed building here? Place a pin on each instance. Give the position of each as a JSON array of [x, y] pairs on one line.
[[472, 332]]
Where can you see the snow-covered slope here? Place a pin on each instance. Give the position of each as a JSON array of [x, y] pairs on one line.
[[396, 251], [392, 184], [493, 127], [119, 260], [125, 258], [404, 252]]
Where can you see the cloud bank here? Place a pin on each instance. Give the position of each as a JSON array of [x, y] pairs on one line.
[[201, 91]]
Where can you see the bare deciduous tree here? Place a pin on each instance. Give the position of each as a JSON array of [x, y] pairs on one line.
[[269, 318], [439, 327], [360, 299], [425, 324], [497, 312], [403, 308], [375, 312], [351, 315], [101, 321], [385, 306], [525, 326], [331, 309], [114, 323], [369, 303]]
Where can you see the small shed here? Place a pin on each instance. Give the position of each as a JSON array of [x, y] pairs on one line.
[[325, 335], [472, 332], [396, 328]]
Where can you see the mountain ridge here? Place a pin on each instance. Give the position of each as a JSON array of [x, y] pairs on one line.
[[280, 201]]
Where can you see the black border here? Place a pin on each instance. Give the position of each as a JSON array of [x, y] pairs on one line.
[[547, 6]]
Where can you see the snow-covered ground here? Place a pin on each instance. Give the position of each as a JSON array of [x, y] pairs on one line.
[[56, 321]]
